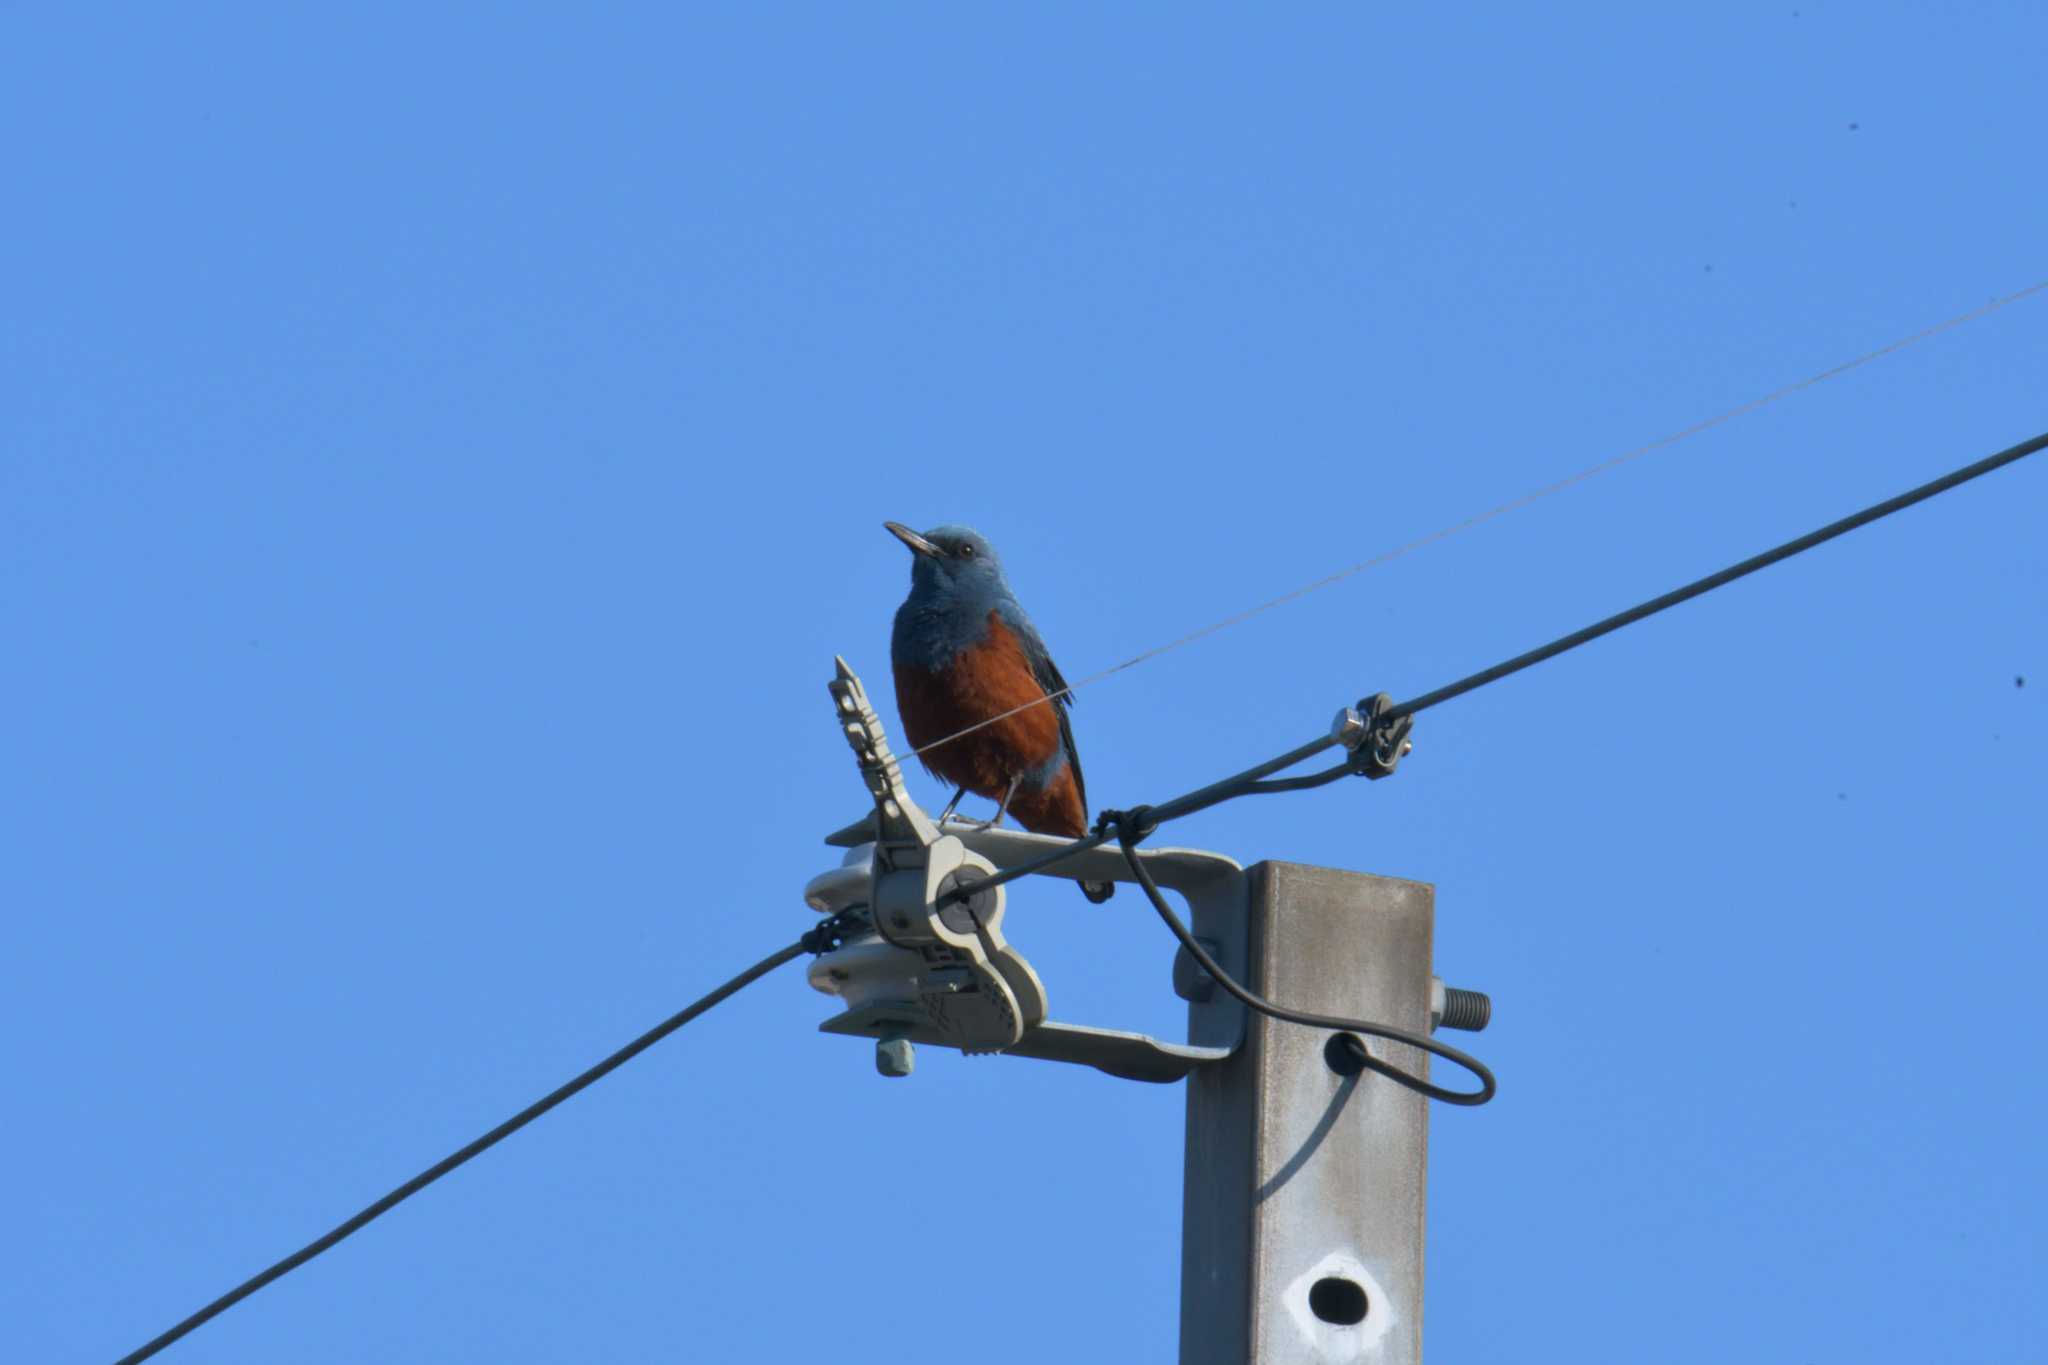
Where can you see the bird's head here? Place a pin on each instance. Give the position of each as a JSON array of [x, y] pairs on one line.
[[951, 561]]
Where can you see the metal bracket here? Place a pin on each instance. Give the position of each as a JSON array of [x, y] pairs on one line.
[[950, 977], [963, 979]]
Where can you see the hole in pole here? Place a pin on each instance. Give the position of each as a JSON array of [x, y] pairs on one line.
[[1338, 1301], [1345, 1053]]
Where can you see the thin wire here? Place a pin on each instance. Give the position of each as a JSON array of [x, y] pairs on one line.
[[1503, 509], [457, 1158], [1247, 781], [1185, 805], [1140, 821]]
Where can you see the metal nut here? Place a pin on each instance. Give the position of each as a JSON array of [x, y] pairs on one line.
[[895, 1057]]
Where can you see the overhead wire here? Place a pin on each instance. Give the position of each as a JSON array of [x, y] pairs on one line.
[[1255, 780], [1798, 545], [1377, 739], [1382, 717], [1129, 827], [1502, 509], [456, 1158]]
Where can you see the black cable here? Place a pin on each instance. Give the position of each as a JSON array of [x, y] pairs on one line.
[[976, 886], [1248, 780], [488, 1140], [1715, 580], [1142, 820], [1381, 746], [1252, 781], [1217, 792], [1251, 1000], [1307, 782]]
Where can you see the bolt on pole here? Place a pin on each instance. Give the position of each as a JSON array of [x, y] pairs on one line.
[[1302, 1218]]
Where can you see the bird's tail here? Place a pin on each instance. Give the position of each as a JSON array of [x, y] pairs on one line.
[[1098, 892]]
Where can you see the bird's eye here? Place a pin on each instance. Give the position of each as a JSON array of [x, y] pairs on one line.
[[966, 551]]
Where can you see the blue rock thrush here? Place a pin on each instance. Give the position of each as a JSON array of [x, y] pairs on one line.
[[964, 653]]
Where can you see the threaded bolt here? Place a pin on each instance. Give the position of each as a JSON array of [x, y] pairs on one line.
[[1467, 1010]]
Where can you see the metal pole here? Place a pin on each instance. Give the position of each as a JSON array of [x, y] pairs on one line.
[[1302, 1218]]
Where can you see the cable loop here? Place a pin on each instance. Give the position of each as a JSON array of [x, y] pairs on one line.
[[1129, 843]]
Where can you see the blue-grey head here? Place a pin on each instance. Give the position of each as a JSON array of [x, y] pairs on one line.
[[952, 563], [956, 582]]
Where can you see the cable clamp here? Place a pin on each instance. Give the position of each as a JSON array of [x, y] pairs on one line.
[[1375, 743], [836, 931], [1130, 826]]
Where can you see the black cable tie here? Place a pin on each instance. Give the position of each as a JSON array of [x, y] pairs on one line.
[[1130, 826], [834, 931]]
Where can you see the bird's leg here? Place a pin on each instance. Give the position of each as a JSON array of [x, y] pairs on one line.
[[1004, 804], [958, 792]]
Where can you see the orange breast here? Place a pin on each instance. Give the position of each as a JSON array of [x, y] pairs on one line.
[[984, 680]]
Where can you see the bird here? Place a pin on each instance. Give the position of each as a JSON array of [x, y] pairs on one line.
[[965, 653]]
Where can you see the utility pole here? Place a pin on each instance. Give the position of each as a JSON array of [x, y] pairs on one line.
[[1302, 1220], [1303, 1209]]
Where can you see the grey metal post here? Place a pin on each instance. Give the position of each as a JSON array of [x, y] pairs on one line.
[[1302, 1220]]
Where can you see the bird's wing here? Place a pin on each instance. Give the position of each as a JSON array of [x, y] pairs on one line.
[[1048, 676]]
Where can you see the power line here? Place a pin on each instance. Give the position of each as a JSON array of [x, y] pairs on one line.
[[1371, 755], [1375, 738], [1514, 505], [456, 1158], [1725, 576]]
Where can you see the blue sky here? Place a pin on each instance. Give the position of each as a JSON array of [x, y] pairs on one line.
[[441, 453]]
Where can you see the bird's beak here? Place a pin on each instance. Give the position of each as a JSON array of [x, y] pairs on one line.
[[917, 543]]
